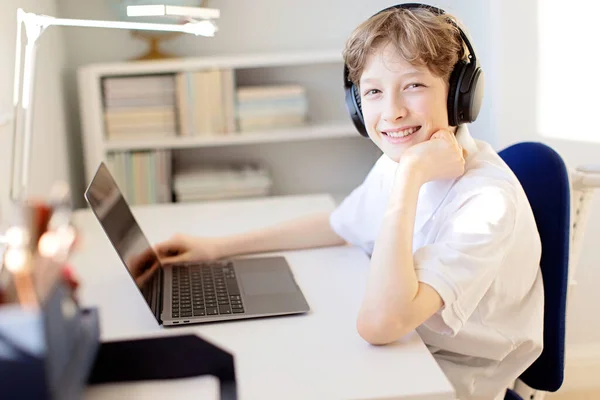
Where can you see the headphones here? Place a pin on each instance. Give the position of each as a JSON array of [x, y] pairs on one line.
[[465, 92]]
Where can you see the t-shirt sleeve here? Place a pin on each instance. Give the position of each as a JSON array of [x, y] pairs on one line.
[[352, 220], [465, 257]]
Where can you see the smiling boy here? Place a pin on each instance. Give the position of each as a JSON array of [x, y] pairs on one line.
[[453, 242]]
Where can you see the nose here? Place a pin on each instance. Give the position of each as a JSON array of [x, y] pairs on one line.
[[393, 109]]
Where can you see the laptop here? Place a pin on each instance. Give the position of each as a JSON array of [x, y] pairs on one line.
[[192, 292]]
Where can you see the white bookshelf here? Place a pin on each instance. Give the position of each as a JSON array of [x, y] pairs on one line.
[[319, 71], [310, 132]]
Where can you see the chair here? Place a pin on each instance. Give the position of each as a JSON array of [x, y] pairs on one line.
[[545, 179]]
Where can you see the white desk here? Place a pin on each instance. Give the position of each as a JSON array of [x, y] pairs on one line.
[[314, 356]]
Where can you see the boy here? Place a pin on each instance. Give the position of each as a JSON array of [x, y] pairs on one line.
[[454, 246]]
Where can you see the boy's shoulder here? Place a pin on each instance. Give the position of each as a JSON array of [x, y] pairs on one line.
[[487, 176]]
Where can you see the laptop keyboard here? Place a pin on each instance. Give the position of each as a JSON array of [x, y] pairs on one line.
[[205, 290]]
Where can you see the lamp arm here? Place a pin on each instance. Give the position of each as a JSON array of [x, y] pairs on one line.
[[16, 102], [24, 88], [140, 26]]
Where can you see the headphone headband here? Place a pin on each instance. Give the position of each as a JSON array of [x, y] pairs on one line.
[[437, 11], [466, 81]]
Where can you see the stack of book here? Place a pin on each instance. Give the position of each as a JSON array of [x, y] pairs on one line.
[[216, 182], [205, 102], [144, 177], [197, 103], [270, 107], [139, 107]]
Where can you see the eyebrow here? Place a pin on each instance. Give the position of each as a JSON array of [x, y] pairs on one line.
[[407, 74]]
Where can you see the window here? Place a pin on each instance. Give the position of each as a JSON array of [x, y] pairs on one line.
[[569, 70]]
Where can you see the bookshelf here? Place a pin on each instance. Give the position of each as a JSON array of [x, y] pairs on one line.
[[310, 132], [327, 148]]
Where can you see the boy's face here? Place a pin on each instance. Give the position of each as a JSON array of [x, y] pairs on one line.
[[402, 104]]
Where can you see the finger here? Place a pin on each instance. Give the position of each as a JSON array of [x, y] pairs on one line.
[[442, 134], [174, 259], [437, 135], [169, 247], [451, 137], [465, 153]]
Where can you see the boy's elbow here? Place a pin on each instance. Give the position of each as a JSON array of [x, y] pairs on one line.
[[380, 330]]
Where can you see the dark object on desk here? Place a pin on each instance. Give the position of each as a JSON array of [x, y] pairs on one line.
[[47, 353], [168, 357]]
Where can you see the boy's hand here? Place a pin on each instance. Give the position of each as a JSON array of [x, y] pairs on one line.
[[441, 157], [183, 248]]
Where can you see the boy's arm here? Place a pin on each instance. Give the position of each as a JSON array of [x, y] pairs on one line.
[[395, 301], [306, 232]]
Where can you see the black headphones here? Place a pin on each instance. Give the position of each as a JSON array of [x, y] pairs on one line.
[[465, 91]]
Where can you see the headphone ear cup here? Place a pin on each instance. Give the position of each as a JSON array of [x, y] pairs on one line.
[[357, 99], [454, 93], [354, 106], [470, 94], [358, 102]]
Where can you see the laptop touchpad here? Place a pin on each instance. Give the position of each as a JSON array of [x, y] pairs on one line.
[[271, 282]]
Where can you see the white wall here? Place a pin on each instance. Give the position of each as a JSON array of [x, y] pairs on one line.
[[49, 150]]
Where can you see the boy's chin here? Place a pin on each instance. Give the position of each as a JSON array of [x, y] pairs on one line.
[[395, 156], [393, 152]]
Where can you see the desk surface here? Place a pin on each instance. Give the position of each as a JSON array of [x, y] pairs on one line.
[[313, 356]]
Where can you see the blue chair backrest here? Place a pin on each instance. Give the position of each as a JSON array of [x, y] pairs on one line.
[[544, 176]]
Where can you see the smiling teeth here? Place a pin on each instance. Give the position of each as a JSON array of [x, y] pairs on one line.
[[403, 133]]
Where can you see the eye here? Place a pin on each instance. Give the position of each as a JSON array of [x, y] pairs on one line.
[[371, 92], [414, 85]]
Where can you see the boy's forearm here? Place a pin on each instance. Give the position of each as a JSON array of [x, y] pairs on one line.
[[392, 282], [306, 232]]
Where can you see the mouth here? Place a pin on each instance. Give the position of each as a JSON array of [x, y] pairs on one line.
[[401, 133]]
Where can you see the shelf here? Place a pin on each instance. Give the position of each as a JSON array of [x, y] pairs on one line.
[[330, 130], [236, 61], [310, 132]]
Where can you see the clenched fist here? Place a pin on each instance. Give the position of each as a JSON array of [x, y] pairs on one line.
[[440, 157]]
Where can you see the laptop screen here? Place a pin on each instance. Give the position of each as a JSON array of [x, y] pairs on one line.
[[113, 212]]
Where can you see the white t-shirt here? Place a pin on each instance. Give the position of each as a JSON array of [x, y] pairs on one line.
[[476, 243]]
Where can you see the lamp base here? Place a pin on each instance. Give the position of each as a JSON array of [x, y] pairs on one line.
[[154, 52]]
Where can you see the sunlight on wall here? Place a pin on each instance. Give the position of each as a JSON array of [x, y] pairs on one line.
[[569, 73]]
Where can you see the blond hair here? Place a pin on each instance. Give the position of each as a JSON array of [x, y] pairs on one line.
[[420, 36]]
